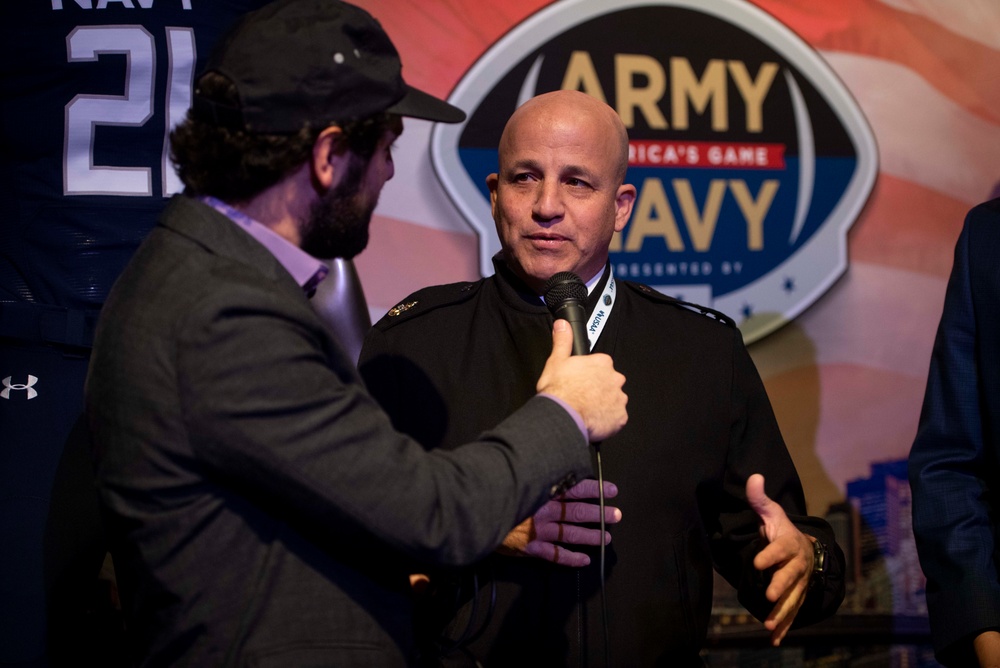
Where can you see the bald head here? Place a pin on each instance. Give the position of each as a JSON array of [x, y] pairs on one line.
[[560, 195], [573, 108]]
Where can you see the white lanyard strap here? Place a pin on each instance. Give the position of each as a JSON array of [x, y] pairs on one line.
[[599, 317]]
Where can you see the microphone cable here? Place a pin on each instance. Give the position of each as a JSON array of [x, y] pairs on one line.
[[448, 645], [604, 597]]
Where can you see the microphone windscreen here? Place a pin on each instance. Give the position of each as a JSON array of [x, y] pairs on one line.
[[564, 286]]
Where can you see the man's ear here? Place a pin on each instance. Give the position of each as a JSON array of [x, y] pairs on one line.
[[492, 181], [329, 158], [624, 200]]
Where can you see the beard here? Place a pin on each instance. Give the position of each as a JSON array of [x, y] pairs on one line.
[[338, 223]]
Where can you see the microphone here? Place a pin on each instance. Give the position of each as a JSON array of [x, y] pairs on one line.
[[566, 299]]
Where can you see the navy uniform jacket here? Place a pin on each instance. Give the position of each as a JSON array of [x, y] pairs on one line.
[[954, 469], [257, 496], [453, 358]]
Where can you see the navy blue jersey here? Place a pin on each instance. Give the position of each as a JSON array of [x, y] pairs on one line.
[[90, 88]]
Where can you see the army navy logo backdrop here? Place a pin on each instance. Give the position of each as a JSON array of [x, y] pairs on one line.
[[750, 157]]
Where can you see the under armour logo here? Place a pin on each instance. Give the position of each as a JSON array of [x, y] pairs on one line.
[[29, 387]]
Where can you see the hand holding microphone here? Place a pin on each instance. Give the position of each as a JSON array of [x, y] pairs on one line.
[[588, 383], [566, 298]]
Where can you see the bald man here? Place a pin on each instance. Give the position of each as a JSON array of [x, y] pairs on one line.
[[682, 475]]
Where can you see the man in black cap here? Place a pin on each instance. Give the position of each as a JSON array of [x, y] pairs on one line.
[[261, 507]]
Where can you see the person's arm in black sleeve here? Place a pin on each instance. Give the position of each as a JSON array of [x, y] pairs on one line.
[[756, 447]]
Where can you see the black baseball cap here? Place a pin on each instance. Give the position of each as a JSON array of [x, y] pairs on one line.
[[313, 61]]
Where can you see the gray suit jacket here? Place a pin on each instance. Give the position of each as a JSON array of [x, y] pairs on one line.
[[261, 505]]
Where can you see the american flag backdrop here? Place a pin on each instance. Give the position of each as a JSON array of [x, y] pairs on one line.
[[847, 376]]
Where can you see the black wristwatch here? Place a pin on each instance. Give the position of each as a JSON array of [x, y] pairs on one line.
[[818, 578]]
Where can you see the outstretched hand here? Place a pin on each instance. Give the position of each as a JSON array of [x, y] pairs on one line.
[[789, 553], [557, 522]]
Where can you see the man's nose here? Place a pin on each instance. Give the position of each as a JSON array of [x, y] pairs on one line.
[[548, 201]]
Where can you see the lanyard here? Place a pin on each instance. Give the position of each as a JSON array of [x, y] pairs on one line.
[[599, 317]]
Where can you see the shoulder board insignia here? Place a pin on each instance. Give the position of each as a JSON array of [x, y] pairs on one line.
[[690, 306], [704, 310], [427, 300], [401, 307]]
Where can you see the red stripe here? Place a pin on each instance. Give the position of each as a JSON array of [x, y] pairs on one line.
[[907, 226], [439, 41], [713, 154], [962, 69]]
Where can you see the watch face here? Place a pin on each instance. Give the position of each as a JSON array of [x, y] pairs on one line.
[[819, 558], [818, 577]]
